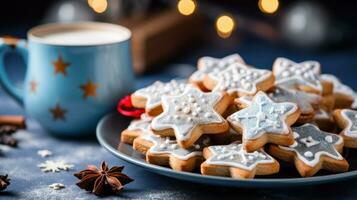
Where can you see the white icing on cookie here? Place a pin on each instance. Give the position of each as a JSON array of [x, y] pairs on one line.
[[233, 155], [239, 78], [338, 87], [311, 143], [303, 100], [164, 145], [322, 114], [195, 108], [142, 124], [154, 92], [351, 117], [263, 116], [289, 74], [209, 65]]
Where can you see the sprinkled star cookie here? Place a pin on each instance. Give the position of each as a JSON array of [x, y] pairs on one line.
[[233, 161], [344, 95], [150, 97], [347, 120], [303, 76], [265, 121], [313, 150], [209, 65], [136, 128], [166, 152], [240, 80], [307, 102], [191, 114]]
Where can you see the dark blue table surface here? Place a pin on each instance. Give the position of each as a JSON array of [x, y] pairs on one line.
[[28, 182]]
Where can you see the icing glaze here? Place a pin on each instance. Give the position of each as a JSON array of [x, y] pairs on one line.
[[239, 78], [234, 155], [154, 92], [142, 124], [164, 145], [303, 100], [263, 116], [351, 117], [338, 87], [183, 112], [311, 143], [288, 73], [210, 65]]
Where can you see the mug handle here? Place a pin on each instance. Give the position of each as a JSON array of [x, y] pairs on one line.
[[11, 44]]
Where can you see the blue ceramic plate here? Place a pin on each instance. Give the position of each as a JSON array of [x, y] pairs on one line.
[[108, 134]]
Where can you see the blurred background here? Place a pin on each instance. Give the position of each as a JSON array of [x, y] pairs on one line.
[[170, 35]]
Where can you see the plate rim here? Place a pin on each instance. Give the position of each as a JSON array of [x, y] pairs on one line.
[[172, 173]]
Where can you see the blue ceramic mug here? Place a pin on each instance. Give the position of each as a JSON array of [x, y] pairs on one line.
[[75, 74]]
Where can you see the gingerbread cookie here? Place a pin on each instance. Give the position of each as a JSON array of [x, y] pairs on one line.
[[166, 152], [313, 150], [324, 120], [233, 161], [265, 121], [303, 76], [191, 114], [347, 120], [150, 97], [136, 128], [240, 80], [209, 65], [307, 102], [344, 95]]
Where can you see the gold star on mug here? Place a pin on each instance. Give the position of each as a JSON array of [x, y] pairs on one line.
[[58, 113], [60, 65], [33, 86], [89, 89]]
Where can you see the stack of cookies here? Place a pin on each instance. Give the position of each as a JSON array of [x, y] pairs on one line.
[[231, 119]]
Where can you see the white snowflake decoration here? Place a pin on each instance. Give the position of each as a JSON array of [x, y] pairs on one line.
[[56, 186], [52, 166]]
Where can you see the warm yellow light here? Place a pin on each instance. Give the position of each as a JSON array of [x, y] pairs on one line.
[[225, 25], [90, 2], [98, 6], [186, 7], [268, 6]]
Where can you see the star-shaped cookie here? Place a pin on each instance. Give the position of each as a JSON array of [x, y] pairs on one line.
[[347, 120], [240, 80], [232, 160], [265, 121], [166, 152], [150, 97], [209, 65], [313, 150], [304, 75], [136, 128], [307, 102], [191, 114]]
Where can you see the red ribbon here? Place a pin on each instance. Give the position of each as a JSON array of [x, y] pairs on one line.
[[125, 107]]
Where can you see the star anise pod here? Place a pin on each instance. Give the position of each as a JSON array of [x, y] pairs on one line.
[[103, 180], [5, 135], [4, 182]]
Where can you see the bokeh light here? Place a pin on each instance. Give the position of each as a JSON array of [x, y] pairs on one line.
[[268, 6], [225, 26], [99, 6], [186, 7]]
